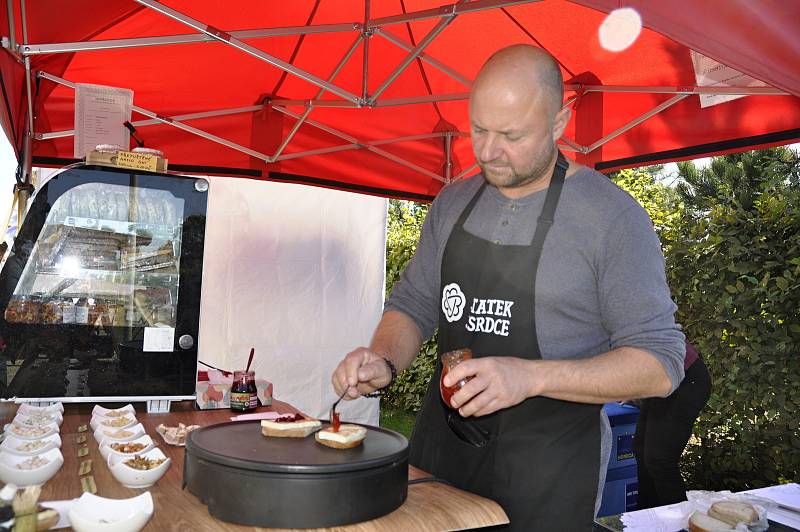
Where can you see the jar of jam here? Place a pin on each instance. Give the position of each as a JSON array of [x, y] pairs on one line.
[[244, 396], [450, 360]]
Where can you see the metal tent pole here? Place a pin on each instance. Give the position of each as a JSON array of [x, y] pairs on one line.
[[151, 122], [367, 34], [171, 122], [423, 56], [447, 11], [191, 38], [12, 22], [230, 40], [347, 55], [737, 91], [320, 151], [635, 122], [428, 98], [437, 29], [362, 145], [27, 163], [448, 163]]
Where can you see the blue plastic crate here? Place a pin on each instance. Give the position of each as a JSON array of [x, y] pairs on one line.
[[621, 492], [623, 427]]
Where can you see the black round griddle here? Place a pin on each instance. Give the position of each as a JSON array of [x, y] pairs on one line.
[[248, 478]]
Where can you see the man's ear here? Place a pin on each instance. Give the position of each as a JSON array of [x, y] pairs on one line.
[[560, 122]]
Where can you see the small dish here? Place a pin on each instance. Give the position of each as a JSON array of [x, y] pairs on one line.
[[28, 409], [91, 513], [11, 467], [126, 410], [38, 419], [138, 478], [126, 434], [15, 445], [120, 422], [106, 446], [27, 432]]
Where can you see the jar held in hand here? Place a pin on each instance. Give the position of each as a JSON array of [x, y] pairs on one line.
[[450, 360]]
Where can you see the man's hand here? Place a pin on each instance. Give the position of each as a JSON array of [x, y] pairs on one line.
[[496, 383], [363, 371]]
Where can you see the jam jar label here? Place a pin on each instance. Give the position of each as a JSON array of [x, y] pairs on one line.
[[240, 401]]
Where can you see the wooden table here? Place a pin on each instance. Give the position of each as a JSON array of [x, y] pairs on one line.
[[430, 506]]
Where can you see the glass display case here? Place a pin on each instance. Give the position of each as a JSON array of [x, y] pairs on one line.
[[101, 291]]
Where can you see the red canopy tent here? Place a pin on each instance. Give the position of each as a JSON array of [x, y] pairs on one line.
[[371, 95]]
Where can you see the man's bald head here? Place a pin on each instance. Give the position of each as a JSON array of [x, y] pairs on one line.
[[523, 71], [516, 119]]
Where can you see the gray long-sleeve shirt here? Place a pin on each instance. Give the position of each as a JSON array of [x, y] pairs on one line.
[[600, 283]]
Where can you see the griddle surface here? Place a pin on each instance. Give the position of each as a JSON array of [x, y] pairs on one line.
[[240, 444]]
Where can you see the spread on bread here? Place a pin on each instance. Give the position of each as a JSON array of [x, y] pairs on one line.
[[347, 437], [289, 426]]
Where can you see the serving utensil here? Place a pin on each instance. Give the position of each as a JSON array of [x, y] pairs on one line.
[[334, 417], [250, 360]]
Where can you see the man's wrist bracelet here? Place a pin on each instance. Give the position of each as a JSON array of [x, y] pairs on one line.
[[393, 371]]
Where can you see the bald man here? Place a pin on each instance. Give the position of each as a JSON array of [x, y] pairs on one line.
[[554, 278]]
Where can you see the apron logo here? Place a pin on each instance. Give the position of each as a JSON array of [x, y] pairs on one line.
[[491, 316], [453, 302]]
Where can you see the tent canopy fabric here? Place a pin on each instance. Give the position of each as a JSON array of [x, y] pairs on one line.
[[379, 88]]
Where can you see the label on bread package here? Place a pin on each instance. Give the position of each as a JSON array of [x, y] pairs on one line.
[[137, 161]]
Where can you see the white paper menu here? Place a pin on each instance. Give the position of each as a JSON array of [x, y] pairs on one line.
[[100, 115], [710, 73]]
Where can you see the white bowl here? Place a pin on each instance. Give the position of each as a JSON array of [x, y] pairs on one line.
[[105, 446], [107, 433], [26, 408], [113, 412], [102, 421], [9, 473], [14, 445], [91, 513], [36, 419], [27, 432], [135, 478]]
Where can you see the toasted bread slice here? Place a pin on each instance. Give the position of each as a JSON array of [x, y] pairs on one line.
[[733, 512], [289, 429], [700, 522], [347, 437]]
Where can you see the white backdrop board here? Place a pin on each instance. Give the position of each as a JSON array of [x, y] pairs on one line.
[[298, 273]]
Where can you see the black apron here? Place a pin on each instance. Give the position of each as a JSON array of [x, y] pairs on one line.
[[540, 459]]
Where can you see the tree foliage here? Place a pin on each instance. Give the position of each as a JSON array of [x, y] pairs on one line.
[[734, 269], [404, 225], [732, 248]]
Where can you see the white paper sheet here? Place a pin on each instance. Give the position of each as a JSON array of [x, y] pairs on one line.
[[788, 497], [159, 339], [710, 73], [662, 519], [100, 115]]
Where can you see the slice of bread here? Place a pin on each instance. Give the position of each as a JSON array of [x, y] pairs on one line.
[[347, 437], [289, 429], [700, 522], [733, 512]]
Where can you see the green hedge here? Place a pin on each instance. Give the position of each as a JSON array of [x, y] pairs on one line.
[[735, 275], [404, 225]]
